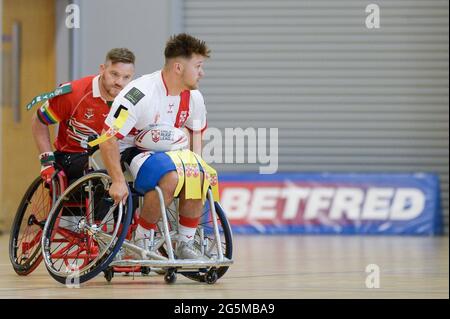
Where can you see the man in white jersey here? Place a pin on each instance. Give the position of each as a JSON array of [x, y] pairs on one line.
[[170, 97]]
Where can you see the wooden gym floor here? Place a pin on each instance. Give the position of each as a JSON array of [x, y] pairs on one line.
[[291, 267]]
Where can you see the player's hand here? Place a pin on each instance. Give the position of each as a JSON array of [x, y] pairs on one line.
[[119, 192], [47, 173], [47, 160]]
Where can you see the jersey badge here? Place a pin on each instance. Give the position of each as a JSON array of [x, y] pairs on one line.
[[134, 96], [89, 114]]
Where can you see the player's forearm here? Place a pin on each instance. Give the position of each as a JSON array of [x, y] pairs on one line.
[[41, 135], [195, 142], [111, 157]]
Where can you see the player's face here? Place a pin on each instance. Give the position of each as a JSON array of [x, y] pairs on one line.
[[193, 71], [114, 77]]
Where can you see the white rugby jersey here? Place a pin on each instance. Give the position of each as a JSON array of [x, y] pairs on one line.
[[147, 102]]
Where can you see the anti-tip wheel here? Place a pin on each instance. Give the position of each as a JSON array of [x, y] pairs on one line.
[[211, 277], [145, 270], [170, 277], [109, 274]]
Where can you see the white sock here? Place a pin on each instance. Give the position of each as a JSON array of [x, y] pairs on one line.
[[142, 233], [186, 234]]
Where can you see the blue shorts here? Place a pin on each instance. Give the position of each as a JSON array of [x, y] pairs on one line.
[[153, 169]]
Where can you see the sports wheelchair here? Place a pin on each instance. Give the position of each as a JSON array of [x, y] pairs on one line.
[[86, 234], [26, 231], [31, 215]]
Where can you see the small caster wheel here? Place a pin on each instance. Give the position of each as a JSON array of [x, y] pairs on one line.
[[109, 274], [145, 270], [211, 277], [170, 277]]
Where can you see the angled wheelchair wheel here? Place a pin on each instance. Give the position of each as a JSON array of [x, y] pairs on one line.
[[208, 245], [84, 230], [26, 231]]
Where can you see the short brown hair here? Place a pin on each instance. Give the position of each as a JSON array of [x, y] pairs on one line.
[[184, 45], [117, 55]]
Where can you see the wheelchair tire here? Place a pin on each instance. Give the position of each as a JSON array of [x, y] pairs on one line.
[[26, 231], [227, 243], [83, 233]]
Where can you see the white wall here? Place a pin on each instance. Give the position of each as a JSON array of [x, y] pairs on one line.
[[62, 43], [143, 26]]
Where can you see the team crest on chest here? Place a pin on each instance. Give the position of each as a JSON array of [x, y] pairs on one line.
[[89, 114]]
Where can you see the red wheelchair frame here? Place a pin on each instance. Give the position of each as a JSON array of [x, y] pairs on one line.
[[25, 242]]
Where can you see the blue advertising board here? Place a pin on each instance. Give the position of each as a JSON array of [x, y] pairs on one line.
[[332, 203]]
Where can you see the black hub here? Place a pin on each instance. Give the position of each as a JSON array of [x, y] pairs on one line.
[[32, 221]]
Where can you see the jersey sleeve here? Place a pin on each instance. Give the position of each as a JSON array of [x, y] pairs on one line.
[[124, 112], [197, 117], [55, 110]]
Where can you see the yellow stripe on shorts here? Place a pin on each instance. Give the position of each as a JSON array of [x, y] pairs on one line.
[[191, 175], [180, 170], [211, 179]]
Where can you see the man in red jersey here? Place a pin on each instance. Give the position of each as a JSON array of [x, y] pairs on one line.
[[80, 113]]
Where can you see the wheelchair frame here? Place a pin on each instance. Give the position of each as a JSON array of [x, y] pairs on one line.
[[157, 261], [200, 270], [59, 183], [19, 246]]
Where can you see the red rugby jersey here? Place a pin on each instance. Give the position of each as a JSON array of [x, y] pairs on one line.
[[80, 113]]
